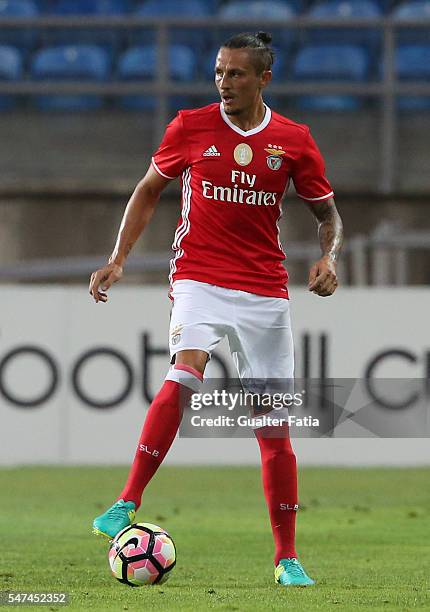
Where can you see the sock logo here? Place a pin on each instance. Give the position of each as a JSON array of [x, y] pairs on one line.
[[145, 449], [294, 507]]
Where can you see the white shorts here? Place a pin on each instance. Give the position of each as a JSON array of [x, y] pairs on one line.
[[258, 328]]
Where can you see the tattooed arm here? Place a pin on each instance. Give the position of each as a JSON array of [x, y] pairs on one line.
[[322, 275], [137, 214]]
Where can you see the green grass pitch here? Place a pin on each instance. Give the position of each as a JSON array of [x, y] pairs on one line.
[[363, 534]]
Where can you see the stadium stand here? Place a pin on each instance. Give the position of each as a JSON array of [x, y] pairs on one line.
[[340, 62], [186, 8], [198, 47], [44, 6], [170, 8], [257, 9], [110, 39], [413, 64], [238, 10], [11, 69], [24, 38], [140, 63], [414, 9], [345, 9], [75, 63], [91, 7]]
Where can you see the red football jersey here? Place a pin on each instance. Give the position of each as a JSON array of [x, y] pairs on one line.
[[233, 182]]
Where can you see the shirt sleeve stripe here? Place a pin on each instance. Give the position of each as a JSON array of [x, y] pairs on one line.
[[160, 172], [324, 197]]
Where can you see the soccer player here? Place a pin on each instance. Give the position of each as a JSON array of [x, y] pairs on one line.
[[235, 159]]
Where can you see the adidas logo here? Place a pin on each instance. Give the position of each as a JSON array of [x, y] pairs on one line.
[[211, 152]]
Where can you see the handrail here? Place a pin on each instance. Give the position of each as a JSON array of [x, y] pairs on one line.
[[388, 245], [202, 88]]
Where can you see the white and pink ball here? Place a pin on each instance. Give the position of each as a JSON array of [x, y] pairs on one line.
[[142, 554]]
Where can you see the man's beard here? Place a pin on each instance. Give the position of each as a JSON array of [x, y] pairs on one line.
[[233, 112]]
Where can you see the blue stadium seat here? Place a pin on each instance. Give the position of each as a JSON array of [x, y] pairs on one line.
[[173, 8], [257, 9], [211, 5], [329, 103], [413, 64], [10, 70], [108, 38], [412, 104], [341, 62], [84, 7], [10, 63], [186, 9], [415, 9], [140, 64], [44, 6], [18, 8], [237, 10], [91, 7], [25, 38], [70, 63], [345, 9]]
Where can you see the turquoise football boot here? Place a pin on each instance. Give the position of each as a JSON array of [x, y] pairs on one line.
[[119, 516], [291, 573]]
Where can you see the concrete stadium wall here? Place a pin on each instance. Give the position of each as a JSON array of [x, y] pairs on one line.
[[54, 342], [109, 151]]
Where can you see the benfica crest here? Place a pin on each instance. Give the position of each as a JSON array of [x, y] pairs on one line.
[[274, 160], [175, 334]]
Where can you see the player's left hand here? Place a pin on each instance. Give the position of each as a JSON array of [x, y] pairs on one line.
[[323, 277]]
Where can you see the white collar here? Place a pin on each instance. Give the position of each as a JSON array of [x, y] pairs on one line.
[[263, 124]]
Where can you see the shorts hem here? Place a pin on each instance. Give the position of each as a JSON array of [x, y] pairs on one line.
[[188, 348]]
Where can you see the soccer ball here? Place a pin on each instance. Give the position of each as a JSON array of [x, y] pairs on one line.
[[141, 554]]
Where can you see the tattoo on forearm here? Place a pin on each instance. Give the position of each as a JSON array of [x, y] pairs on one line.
[[330, 234], [330, 228]]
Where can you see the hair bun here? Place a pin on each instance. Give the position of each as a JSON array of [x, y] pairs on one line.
[[265, 37]]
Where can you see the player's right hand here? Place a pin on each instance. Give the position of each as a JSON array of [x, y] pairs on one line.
[[103, 279]]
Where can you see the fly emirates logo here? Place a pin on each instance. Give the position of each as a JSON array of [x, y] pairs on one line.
[[236, 193]]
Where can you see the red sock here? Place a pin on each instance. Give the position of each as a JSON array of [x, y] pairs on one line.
[[279, 473], [159, 430]]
